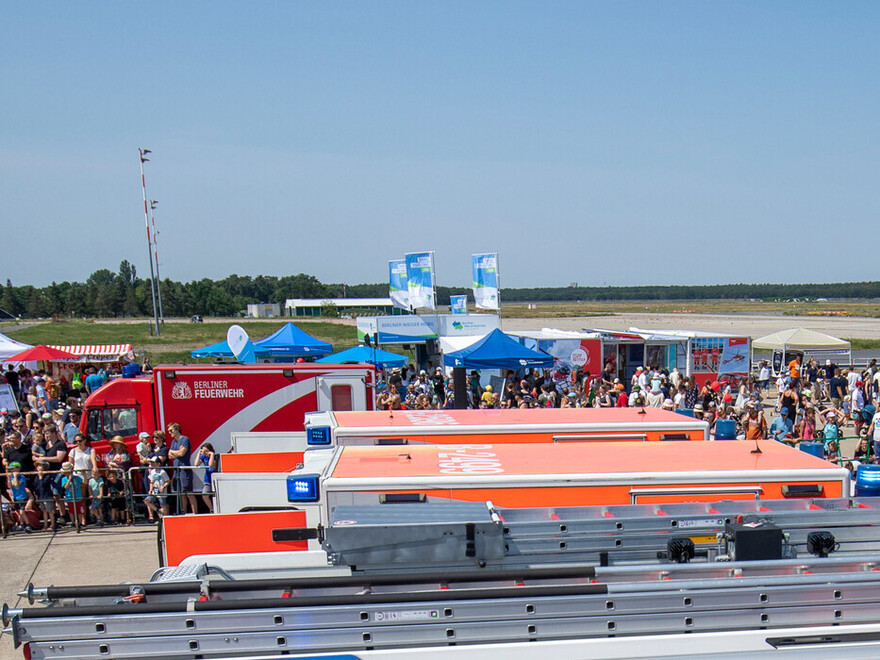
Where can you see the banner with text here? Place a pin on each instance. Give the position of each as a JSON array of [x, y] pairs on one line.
[[420, 279], [398, 290], [485, 267], [458, 304]]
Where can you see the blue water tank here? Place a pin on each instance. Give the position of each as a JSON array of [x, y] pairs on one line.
[[725, 429], [815, 448], [868, 481]]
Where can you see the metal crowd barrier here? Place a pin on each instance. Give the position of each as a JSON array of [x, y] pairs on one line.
[[174, 493]]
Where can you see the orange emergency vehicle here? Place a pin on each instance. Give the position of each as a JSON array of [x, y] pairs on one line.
[[512, 475], [405, 427]]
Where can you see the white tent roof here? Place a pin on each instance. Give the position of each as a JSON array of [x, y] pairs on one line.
[[452, 344], [10, 347], [800, 339]]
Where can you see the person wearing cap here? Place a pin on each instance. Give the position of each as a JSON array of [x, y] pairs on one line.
[[488, 397], [157, 497], [72, 485], [782, 426]]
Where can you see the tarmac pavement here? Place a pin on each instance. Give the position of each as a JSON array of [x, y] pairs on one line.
[[109, 555]]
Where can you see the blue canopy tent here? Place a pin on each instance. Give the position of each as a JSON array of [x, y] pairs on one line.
[[290, 341], [497, 351], [367, 355], [220, 350]]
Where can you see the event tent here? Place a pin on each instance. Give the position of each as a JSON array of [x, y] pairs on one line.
[[42, 353], [290, 341], [366, 355], [10, 347], [98, 352], [497, 351], [809, 342]]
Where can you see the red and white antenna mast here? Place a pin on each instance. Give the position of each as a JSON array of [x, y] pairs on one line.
[[143, 153]]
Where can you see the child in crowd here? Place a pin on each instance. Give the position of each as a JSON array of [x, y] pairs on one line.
[[157, 499], [116, 498], [20, 495], [96, 491], [45, 488], [72, 485]]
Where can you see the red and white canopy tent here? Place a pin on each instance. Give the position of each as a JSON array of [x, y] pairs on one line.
[[100, 352]]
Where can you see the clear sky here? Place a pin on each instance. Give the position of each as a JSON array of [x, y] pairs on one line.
[[616, 142]]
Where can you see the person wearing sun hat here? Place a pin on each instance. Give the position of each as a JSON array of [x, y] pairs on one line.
[[118, 458], [72, 484]]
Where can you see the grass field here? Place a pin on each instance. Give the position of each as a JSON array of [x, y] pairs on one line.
[[178, 337]]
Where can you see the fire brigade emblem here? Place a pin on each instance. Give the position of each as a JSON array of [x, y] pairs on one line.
[[181, 391]]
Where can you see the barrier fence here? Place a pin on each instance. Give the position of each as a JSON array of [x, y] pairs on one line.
[[68, 502]]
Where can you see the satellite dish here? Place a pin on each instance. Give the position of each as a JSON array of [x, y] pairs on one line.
[[240, 344]]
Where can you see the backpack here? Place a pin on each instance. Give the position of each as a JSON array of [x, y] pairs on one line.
[[867, 413], [76, 383]]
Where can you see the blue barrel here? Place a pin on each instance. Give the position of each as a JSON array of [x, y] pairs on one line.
[[815, 448], [687, 412], [868, 481], [131, 370], [725, 429]]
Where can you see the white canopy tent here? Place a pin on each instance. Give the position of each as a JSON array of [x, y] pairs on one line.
[[809, 342], [10, 347]]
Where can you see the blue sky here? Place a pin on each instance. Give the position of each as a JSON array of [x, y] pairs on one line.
[[619, 142]]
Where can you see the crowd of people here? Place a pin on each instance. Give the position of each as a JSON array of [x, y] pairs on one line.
[[815, 403], [54, 477]]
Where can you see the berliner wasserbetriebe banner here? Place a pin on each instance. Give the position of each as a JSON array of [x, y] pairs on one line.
[[485, 267], [398, 290], [420, 280]]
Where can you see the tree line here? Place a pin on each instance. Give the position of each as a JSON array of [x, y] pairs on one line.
[[123, 294]]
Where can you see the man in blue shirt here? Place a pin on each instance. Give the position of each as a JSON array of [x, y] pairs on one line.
[[93, 381], [180, 455], [782, 426]]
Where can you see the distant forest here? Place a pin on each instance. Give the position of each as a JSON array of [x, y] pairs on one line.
[[124, 294]]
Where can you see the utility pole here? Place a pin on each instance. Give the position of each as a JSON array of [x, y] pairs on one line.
[[153, 204], [143, 153]]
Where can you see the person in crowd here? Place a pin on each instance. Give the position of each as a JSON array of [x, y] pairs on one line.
[[96, 495], [157, 498], [754, 424], [115, 489], [782, 426], [71, 427], [46, 492], [832, 419], [807, 426], [180, 455], [72, 486], [20, 495], [863, 451], [206, 458], [118, 458]]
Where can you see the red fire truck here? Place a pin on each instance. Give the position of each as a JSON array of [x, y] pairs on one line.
[[211, 401]]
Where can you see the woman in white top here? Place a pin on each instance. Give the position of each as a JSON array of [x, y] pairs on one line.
[[83, 457]]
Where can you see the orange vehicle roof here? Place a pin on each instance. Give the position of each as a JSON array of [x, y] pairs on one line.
[[513, 417], [575, 458]]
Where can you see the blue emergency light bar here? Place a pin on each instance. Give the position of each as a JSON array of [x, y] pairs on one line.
[[303, 488], [868, 480], [318, 435]]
